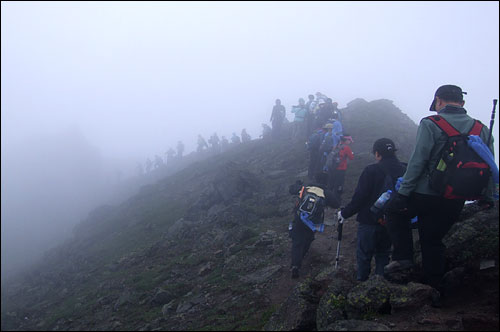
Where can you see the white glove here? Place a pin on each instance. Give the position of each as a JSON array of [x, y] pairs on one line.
[[340, 219]]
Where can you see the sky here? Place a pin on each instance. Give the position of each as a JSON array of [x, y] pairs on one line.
[[133, 78]]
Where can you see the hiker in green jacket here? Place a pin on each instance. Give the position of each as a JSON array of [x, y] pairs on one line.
[[435, 213], [300, 111]]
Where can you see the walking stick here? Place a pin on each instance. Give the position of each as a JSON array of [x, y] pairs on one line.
[[339, 231], [492, 121]]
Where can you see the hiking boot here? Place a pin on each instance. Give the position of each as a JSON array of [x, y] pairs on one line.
[[396, 266], [295, 272]]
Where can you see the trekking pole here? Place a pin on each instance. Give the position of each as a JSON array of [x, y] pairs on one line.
[[339, 230], [492, 121]]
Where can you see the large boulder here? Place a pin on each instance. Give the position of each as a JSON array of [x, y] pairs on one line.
[[473, 239], [298, 312]]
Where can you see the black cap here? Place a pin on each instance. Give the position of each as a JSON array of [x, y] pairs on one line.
[[449, 93], [384, 146]]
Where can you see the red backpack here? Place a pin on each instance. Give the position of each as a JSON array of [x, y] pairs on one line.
[[460, 173]]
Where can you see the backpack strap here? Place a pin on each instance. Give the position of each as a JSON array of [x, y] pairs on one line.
[[444, 125], [476, 128]]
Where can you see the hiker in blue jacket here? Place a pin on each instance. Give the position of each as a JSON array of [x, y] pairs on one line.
[[372, 238]]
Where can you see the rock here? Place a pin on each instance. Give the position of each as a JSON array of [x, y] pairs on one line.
[[184, 307], [168, 308], [261, 275], [332, 306], [162, 297], [298, 312], [368, 298], [410, 296], [473, 240], [205, 269], [356, 325]]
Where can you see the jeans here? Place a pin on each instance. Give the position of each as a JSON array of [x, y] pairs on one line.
[[373, 240]]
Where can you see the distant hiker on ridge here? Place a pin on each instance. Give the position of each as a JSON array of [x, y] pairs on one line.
[[244, 136], [300, 111], [277, 117]]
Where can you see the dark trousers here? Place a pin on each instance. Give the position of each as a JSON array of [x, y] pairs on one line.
[[302, 237], [314, 159], [435, 215], [373, 240], [336, 181], [399, 228]]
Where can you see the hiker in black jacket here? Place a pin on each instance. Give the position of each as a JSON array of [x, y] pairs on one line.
[[373, 238], [302, 236]]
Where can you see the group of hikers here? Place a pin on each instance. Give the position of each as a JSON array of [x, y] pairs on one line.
[[319, 122], [216, 146], [391, 197], [308, 116]]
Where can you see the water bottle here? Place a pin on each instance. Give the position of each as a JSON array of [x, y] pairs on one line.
[[379, 204], [290, 226]]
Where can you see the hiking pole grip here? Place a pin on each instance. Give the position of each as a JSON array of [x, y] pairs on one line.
[[492, 121]]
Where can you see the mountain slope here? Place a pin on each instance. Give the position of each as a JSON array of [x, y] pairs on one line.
[[206, 248]]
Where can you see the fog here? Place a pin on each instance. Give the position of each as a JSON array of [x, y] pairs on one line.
[[88, 90]]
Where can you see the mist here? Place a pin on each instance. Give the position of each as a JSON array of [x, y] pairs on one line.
[[89, 90]]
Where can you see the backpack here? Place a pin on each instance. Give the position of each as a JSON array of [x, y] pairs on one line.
[[460, 172], [314, 141], [311, 204], [388, 184]]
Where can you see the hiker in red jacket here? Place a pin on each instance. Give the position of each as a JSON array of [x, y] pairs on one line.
[[338, 176]]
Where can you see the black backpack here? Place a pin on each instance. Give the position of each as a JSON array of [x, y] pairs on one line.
[[312, 204], [460, 173]]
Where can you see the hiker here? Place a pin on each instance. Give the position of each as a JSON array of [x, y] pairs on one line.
[[337, 179], [214, 142], [327, 145], [309, 119], [277, 117], [244, 136], [180, 149], [436, 214], [202, 144], [337, 115], [372, 237], [235, 139], [324, 113], [149, 165], [300, 111], [313, 145], [224, 143], [301, 227], [158, 161], [266, 131], [170, 155]]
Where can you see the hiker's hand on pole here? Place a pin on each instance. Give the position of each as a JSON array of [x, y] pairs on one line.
[[340, 219]]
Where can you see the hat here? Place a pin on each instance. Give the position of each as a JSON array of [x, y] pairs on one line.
[[328, 126], [384, 146], [346, 138], [449, 93]]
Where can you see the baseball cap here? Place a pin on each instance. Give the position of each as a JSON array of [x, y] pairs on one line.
[[449, 93], [384, 146]]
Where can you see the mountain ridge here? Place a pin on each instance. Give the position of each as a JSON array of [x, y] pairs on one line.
[[205, 248]]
